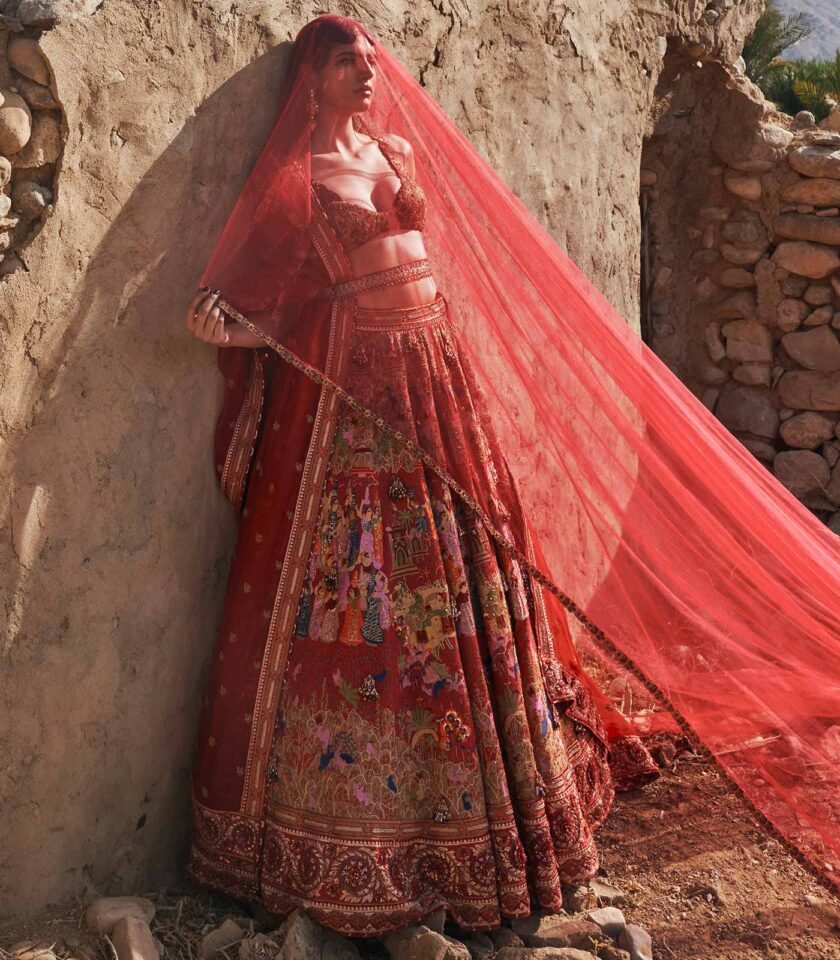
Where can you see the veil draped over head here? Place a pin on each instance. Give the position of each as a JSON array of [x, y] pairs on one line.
[[677, 554]]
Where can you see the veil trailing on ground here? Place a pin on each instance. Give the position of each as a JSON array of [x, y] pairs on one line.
[[678, 556]]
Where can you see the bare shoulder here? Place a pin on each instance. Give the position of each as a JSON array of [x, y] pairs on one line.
[[399, 145], [402, 148]]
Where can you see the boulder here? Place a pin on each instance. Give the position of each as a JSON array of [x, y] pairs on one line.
[[736, 278], [815, 349], [225, 935], [790, 313], [38, 97], [742, 256], [43, 13], [30, 199], [636, 941], [714, 343], [808, 259], [803, 226], [103, 915], [15, 122], [750, 410], [44, 146], [819, 317], [813, 160], [806, 431], [817, 294], [820, 192], [742, 185], [754, 374], [609, 919], [809, 390], [133, 940], [803, 472], [748, 340], [739, 304], [26, 56], [409, 943], [582, 934]]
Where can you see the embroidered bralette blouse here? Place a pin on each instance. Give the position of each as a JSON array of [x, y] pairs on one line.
[[356, 224]]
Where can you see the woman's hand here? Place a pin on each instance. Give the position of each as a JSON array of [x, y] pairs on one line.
[[205, 319]]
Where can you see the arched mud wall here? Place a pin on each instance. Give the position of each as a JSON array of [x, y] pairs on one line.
[[116, 540]]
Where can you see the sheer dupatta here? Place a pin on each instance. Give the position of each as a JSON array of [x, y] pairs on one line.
[[672, 548]]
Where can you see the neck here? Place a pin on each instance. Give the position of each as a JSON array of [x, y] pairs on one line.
[[334, 133]]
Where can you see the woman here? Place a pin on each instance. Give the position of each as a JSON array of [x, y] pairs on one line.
[[397, 719]]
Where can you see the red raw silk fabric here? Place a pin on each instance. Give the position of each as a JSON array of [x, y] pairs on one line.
[[689, 557]]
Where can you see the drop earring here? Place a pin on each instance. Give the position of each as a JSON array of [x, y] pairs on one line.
[[313, 107]]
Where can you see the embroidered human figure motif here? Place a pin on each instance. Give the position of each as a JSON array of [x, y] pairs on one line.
[[356, 224]]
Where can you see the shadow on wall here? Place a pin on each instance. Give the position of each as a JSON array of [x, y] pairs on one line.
[[116, 517]]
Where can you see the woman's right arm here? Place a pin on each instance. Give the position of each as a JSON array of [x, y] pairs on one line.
[[206, 320]]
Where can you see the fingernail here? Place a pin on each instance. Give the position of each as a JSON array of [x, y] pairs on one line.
[[205, 288], [217, 291]]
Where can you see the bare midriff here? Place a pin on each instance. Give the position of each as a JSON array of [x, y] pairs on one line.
[[391, 249]]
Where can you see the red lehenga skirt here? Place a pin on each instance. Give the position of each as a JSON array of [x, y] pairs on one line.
[[417, 757]]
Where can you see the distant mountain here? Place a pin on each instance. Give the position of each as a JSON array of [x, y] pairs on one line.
[[825, 40]]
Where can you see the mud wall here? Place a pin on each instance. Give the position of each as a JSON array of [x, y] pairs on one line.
[[116, 540]]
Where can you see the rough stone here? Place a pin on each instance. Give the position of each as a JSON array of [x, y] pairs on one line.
[[820, 191], [794, 286], [224, 935], [752, 373], [809, 390], [739, 304], [543, 953], [816, 161], [806, 431], [103, 914], [819, 317], [815, 349], [760, 449], [742, 256], [26, 56], [480, 945], [44, 146], [817, 294], [768, 290], [749, 409], [30, 198], [803, 472], [38, 97], [803, 226], [636, 940], [736, 278], [582, 934], [747, 340], [43, 13], [808, 259], [790, 313], [755, 152], [742, 185], [304, 939], [714, 343], [536, 923], [609, 919], [505, 937], [133, 940], [15, 122]]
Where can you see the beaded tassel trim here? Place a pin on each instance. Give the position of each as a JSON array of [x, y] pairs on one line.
[[609, 647]]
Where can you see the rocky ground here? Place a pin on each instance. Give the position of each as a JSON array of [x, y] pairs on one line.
[[683, 866]]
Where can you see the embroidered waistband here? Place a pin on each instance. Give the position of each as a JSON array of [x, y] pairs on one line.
[[402, 273], [399, 318]]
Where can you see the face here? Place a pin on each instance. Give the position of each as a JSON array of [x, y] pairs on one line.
[[346, 81]]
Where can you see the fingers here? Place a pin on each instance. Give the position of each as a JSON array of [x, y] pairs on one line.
[[204, 315], [194, 306]]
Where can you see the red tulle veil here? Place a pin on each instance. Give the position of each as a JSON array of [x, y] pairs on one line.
[[678, 557]]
